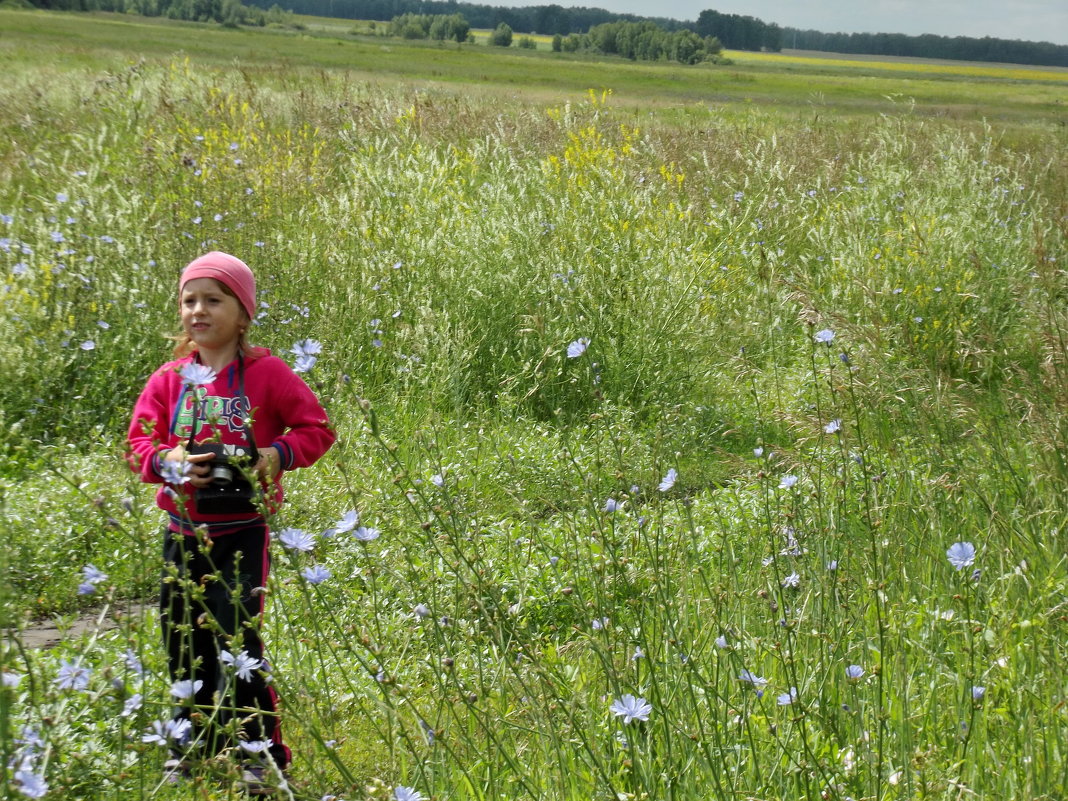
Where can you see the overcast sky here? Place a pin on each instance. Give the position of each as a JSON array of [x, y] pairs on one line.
[[1033, 20]]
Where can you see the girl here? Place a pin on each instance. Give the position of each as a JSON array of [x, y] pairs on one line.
[[217, 427]]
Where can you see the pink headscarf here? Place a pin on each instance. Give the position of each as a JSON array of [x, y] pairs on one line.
[[227, 270]]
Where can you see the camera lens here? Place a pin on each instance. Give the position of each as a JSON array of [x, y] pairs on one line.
[[222, 475]]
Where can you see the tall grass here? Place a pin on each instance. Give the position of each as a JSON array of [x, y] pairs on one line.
[[847, 341]]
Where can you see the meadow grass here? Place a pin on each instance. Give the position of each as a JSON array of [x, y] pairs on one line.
[[698, 406]]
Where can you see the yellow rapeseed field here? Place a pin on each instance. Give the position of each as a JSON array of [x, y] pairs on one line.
[[969, 69]]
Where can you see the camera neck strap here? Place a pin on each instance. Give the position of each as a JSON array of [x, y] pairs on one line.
[[254, 454]]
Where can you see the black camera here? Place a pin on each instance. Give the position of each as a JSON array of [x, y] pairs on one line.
[[230, 491]]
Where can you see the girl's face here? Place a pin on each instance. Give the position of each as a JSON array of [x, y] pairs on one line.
[[212, 317]]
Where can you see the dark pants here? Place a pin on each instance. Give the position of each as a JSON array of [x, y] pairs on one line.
[[208, 604]]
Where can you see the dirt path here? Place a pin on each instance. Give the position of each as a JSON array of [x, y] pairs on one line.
[[44, 634]]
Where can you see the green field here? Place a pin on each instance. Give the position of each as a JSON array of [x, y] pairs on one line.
[[788, 86], [738, 389]]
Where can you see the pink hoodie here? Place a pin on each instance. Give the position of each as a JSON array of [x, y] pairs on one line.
[[286, 415]]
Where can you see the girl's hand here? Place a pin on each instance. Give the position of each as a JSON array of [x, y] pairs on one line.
[[198, 473], [268, 467]]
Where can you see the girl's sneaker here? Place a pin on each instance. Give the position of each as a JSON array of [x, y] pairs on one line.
[[262, 780], [175, 771]]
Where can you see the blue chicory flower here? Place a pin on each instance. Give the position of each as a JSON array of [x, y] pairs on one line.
[[824, 337], [195, 374], [669, 480], [295, 539], [961, 554], [577, 348], [630, 708], [316, 574]]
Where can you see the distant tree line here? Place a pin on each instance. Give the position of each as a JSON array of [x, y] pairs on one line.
[[734, 31], [226, 12], [430, 26], [739, 32], [639, 41], [547, 19], [645, 41], [962, 48]]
